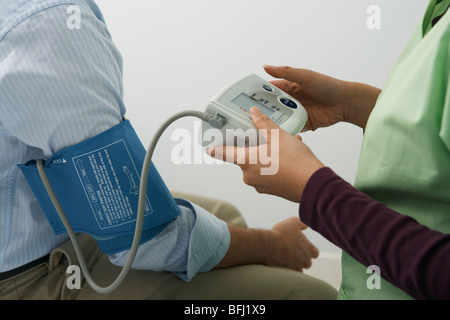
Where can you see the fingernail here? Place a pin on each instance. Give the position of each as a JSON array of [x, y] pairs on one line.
[[268, 67], [209, 151], [255, 111]]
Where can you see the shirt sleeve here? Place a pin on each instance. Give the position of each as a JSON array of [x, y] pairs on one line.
[[445, 125], [195, 242], [412, 256], [59, 85]]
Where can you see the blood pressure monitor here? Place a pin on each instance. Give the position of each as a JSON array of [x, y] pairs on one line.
[[231, 106]]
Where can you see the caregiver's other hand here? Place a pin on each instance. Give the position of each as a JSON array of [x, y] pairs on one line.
[[327, 100], [294, 161]]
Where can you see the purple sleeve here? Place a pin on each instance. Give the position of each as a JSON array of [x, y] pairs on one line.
[[410, 256]]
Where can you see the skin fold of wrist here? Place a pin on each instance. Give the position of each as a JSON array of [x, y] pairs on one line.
[[360, 101]]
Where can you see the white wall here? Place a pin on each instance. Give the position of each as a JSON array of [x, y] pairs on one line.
[[179, 53]]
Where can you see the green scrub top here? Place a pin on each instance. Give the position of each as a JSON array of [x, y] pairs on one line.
[[405, 156]]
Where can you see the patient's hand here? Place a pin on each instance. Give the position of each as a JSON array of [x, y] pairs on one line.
[[284, 245], [291, 248]]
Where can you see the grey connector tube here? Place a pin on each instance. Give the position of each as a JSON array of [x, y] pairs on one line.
[[141, 205]]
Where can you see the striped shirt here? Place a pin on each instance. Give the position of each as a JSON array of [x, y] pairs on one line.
[[61, 83]]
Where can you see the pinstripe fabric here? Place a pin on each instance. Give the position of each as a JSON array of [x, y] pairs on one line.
[[60, 86]]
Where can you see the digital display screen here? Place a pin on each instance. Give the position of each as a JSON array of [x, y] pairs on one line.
[[245, 102]]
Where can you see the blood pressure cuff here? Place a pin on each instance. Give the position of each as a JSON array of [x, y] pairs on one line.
[[97, 184]]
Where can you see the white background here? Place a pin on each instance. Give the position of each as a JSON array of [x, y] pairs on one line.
[[179, 53]]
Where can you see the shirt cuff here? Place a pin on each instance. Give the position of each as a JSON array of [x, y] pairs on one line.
[[209, 241], [196, 241]]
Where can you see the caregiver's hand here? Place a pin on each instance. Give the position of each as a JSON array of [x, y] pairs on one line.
[[295, 161], [327, 100]]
